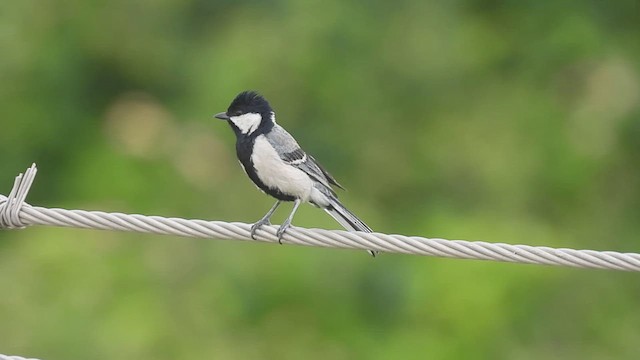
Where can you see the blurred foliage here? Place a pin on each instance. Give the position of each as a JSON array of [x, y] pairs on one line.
[[506, 121]]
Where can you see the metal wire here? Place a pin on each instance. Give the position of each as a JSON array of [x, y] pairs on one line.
[[14, 357], [15, 213]]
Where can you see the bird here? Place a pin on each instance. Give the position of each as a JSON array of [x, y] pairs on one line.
[[278, 166]]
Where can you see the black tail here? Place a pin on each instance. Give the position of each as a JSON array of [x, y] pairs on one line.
[[347, 219]]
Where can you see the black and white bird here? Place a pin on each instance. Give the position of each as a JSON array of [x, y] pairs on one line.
[[274, 161]]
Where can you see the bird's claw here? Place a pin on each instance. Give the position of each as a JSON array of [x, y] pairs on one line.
[[258, 225], [283, 228]]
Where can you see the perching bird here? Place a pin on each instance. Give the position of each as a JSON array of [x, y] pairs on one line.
[[274, 161]]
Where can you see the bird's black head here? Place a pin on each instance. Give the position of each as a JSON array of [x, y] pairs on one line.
[[248, 112], [249, 102]]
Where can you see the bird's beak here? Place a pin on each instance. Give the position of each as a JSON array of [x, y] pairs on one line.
[[221, 116]]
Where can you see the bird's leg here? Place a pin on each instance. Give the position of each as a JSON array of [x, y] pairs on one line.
[[264, 220], [287, 223]]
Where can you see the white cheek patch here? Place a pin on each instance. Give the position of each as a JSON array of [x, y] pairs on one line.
[[247, 123]]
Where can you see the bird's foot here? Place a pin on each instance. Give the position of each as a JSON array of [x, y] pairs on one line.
[[257, 226], [283, 228]]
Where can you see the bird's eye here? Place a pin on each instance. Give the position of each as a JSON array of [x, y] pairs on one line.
[[237, 113]]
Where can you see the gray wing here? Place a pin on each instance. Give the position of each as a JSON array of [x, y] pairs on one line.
[[291, 153]]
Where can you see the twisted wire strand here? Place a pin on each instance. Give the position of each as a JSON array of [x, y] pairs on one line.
[[15, 213], [14, 357]]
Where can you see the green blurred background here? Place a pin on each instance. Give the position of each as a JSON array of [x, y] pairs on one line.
[[504, 121]]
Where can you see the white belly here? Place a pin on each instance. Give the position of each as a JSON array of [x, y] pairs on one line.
[[276, 174]]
